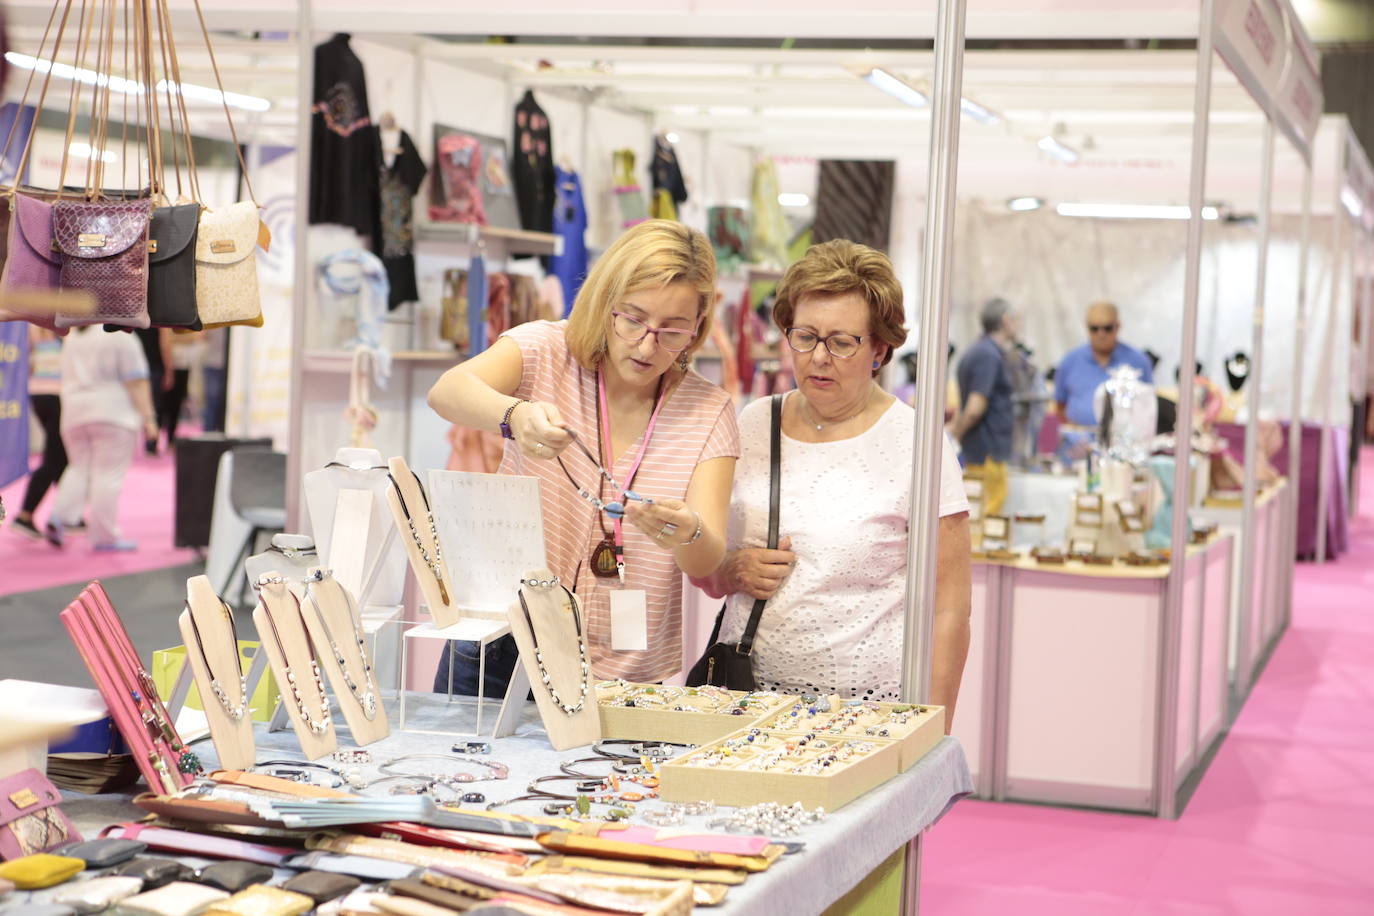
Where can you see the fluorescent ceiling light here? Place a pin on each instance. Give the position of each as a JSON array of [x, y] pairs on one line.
[[1058, 150], [1132, 211], [1351, 203], [792, 199], [131, 87], [978, 112], [896, 87], [84, 151], [1025, 203]]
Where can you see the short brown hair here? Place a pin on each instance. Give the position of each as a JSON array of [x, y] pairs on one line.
[[841, 266], [649, 255]]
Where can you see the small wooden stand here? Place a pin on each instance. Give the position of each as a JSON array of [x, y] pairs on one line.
[[552, 610], [413, 519], [216, 652], [292, 661], [329, 611]]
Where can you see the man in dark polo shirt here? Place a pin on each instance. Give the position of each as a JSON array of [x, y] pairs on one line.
[[983, 426]]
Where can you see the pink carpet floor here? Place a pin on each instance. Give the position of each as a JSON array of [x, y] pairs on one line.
[[145, 514], [1283, 822]]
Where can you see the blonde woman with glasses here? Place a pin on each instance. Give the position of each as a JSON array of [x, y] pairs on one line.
[[634, 452]]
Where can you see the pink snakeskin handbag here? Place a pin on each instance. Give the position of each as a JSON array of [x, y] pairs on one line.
[[104, 249]]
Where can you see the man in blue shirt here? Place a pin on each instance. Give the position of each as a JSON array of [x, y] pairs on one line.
[[983, 426], [1086, 367]]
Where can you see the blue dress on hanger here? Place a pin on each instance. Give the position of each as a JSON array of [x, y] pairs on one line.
[[477, 305], [570, 222]]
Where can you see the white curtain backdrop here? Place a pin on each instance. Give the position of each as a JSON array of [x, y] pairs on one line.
[[1051, 267]]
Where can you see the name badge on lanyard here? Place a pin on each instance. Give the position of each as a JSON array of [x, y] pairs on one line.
[[629, 619]]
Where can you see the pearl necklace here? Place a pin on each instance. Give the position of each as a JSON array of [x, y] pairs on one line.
[[820, 427]]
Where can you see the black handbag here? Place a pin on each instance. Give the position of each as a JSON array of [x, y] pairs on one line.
[[723, 664], [172, 268]]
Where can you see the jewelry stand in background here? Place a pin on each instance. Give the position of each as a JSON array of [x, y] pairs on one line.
[[331, 619], [547, 623], [212, 658]]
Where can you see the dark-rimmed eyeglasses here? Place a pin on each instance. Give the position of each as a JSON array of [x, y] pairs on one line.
[[631, 330], [841, 346], [1101, 328], [614, 508]]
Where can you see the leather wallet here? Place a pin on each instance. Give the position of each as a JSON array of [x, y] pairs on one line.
[[105, 853], [31, 820], [261, 900], [364, 867], [321, 886], [97, 894], [39, 871], [180, 898], [419, 890], [234, 876], [155, 872], [201, 844]]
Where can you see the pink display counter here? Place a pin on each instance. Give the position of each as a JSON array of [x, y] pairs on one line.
[[1063, 698]]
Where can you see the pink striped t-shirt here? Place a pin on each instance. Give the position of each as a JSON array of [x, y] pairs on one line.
[[697, 423]]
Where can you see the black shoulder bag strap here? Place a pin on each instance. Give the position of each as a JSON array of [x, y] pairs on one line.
[[746, 640]]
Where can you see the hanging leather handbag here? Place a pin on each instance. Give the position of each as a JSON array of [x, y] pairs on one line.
[[723, 664], [30, 819], [172, 268], [226, 270], [30, 261], [104, 250]]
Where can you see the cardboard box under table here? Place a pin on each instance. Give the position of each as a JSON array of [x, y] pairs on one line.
[[697, 722], [686, 778], [922, 730]]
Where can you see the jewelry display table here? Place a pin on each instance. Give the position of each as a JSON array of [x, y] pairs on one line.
[[1076, 651], [841, 850]]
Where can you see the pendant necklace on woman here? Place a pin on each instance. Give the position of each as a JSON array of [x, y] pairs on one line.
[[614, 546], [820, 427]]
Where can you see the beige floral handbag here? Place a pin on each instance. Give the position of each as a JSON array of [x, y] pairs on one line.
[[226, 269]]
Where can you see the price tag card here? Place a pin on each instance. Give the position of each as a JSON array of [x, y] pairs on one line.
[[629, 620]]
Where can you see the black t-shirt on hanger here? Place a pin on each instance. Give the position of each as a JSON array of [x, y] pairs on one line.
[[394, 242], [533, 171], [344, 165]]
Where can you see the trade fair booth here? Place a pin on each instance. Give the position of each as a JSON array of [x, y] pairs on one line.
[[1123, 606]]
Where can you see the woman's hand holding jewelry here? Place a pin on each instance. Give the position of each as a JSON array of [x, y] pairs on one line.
[[670, 523], [758, 571], [539, 430]]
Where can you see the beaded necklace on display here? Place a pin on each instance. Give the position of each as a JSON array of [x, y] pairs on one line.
[[435, 562], [317, 726], [584, 667], [367, 698], [235, 713]]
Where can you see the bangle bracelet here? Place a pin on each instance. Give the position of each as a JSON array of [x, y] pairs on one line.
[[505, 421], [696, 535], [497, 770]]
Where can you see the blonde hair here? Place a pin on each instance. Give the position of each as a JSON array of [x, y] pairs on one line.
[[649, 255], [839, 267]]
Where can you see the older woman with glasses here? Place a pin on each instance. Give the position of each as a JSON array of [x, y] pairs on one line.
[[634, 452], [836, 584]]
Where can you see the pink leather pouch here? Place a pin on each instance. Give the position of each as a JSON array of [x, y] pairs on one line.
[[30, 261], [678, 838], [30, 819], [104, 246], [201, 844]]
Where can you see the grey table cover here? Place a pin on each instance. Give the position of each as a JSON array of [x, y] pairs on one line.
[[840, 850]]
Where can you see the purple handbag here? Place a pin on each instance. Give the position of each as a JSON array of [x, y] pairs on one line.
[[30, 819], [31, 262], [104, 250]]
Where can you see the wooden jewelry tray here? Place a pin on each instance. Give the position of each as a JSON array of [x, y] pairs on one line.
[[914, 737], [687, 778], [665, 722]]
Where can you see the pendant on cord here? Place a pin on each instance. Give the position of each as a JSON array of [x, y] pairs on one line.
[[605, 563]]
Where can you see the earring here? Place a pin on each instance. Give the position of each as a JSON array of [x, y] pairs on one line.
[[682, 362], [876, 364]]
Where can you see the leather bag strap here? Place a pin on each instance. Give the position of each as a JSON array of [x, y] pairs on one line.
[[746, 641]]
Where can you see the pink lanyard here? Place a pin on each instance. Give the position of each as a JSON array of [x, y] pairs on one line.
[[609, 458]]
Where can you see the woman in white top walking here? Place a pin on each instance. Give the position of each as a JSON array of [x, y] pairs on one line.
[[106, 404], [836, 585]]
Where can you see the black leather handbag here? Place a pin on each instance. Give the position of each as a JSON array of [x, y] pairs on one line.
[[172, 268], [723, 664]]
